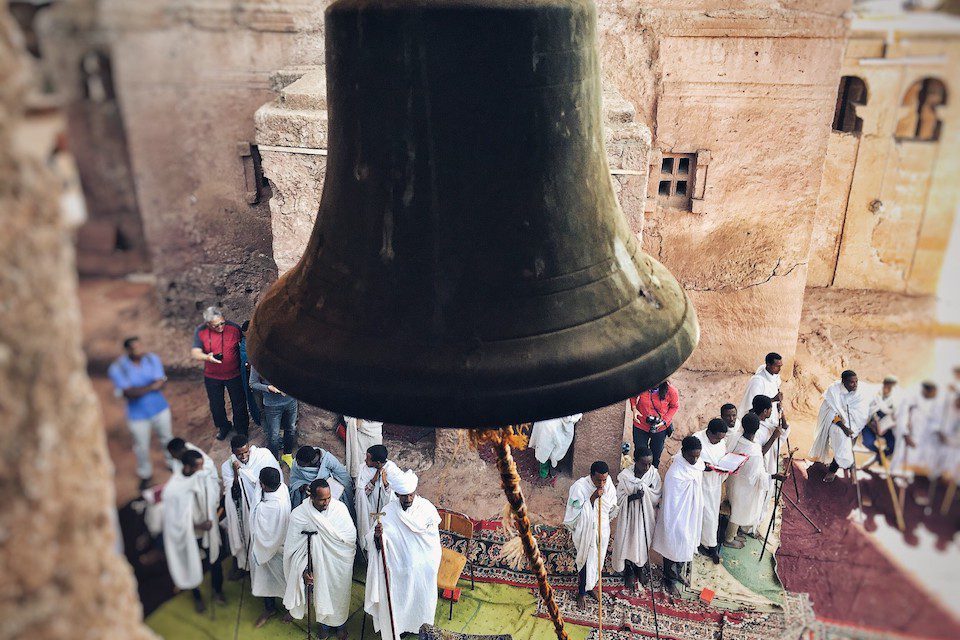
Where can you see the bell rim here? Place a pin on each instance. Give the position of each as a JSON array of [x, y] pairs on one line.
[[446, 410]]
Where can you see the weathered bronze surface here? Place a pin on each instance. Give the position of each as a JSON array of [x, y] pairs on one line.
[[470, 265]]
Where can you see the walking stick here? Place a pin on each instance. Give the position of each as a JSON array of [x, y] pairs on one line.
[[856, 480], [309, 535], [206, 534], [948, 499], [363, 614], [897, 507], [599, 567], [386, 581], [246, 551], [805, 516], [646, 544]]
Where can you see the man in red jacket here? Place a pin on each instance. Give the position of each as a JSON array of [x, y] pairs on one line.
[[653, 411], [216, 343]]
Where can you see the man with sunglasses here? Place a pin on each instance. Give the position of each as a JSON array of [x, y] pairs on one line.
[[216, 343]]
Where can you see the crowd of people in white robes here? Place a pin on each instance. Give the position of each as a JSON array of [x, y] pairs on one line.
[[281, 537]]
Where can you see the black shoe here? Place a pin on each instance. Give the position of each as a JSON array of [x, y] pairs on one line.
[[236, 574], [145, 483], [222, 434]]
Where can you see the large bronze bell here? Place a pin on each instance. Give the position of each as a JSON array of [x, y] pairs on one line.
[[470, 265]]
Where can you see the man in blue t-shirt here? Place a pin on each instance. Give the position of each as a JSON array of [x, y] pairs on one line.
[[138, 377]]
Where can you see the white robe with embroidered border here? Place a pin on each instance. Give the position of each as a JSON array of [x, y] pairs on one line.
[[581, 519], [259, 459], [332, 551], [712, 488], [189, 501], [551, 439], [635, 528], [268, 530], [411, 544], [361, 435], [852, 407], [679, 523], [748, 488], [366, 503]]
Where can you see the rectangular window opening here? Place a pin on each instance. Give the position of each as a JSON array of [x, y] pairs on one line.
[[683, 166], [667, 165], [681, 187], [664, 189]]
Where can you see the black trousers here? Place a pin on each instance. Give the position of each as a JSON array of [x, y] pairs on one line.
[[216, 577], [218, 409], [655, 441], [269, 605], [582, 582]]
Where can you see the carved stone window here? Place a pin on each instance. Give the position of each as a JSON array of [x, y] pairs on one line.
[[853, 92], [919, 119], [675, 179]]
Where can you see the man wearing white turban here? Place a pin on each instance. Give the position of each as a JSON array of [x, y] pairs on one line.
[[407, 539]]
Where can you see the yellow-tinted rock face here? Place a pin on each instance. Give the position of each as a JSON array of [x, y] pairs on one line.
[[889, 190]]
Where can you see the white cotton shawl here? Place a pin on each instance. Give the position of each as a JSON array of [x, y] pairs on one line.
[[712, 488], [332, 552], [852, 406], [189, 501], [680, 521], [259, 459], [411, 545], [748, 487], [551, 439], [581, 519], [635, 527], [361, 435], [268, 530]]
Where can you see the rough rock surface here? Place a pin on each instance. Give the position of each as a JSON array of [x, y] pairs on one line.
[[61, 575]]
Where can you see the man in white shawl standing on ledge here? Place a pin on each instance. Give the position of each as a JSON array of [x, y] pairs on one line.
[[374, 490], [361, 435], [241, 488], [581, 519], [551, 439], [679, 524], [638, 494], [843, 415], [765, 382], [408, 536], [268, 531], [324, 524], [191, 536]]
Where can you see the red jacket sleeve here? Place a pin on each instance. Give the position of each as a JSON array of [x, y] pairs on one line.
[[673, 403]]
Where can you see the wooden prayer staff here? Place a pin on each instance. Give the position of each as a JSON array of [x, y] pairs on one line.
[[948, 498], [646, 542], [853, 469], [599, 568], [386, 582], [510, 480], [309, 535], [897, 507]]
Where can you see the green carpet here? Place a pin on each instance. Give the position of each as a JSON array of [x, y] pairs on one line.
[[488, 609]]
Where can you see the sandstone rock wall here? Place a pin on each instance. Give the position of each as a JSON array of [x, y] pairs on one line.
[[748, 88], [190, 74], [62, 577]]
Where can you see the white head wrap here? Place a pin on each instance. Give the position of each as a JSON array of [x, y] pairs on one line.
[[405, 483]]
